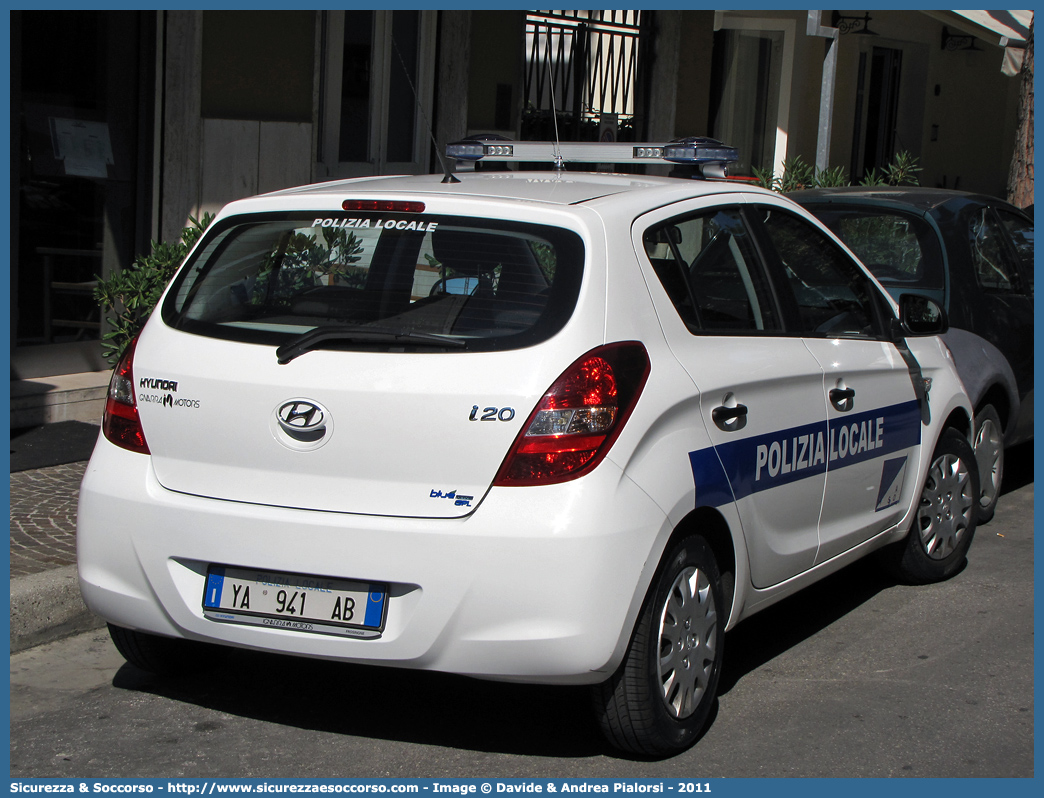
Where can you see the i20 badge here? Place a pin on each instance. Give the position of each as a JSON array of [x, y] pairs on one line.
[[302, 424]]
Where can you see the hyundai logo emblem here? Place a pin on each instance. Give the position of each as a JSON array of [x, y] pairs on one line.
[[302, 420]]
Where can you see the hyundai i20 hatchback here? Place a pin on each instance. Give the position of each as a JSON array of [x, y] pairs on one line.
[[552, 427]]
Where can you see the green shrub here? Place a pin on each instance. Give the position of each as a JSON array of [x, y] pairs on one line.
[[798, 175], [129, 295], [902, 171]]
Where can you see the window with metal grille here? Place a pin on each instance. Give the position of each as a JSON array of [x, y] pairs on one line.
[[584, 65]]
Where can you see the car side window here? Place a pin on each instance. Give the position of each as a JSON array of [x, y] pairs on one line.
[[898, 248], [708, 266], [834, 297], [993, 270], [1021, 232]]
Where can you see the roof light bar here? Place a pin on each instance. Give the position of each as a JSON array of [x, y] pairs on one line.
[[709, 154]]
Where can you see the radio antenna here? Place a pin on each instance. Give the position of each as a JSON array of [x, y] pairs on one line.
[[447, 175], [559, 162]]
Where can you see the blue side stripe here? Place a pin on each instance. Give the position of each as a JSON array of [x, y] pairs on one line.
[[740, 468], [713, 488]]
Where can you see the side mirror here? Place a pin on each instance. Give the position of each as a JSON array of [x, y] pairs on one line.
[[921, 315]]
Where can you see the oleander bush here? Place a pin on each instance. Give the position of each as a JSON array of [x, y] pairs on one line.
[[797, 175], [128, 296]]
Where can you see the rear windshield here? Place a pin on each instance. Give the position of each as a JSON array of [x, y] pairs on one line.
[[370, 281], [899, 248]]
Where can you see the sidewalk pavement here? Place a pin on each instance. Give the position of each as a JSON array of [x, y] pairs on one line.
[[47, 464]]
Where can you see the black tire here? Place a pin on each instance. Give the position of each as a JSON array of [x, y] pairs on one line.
[[645, 708], [989, 454], [164, 656], [945, 519]]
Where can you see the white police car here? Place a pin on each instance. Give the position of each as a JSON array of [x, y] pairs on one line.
[[552, 427]]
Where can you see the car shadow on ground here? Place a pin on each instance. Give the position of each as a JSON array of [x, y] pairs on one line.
[[1018, 467], [768, 634], [458, 712], [393, 704]]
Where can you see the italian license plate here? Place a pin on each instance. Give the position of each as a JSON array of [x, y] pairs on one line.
[[295, 601]]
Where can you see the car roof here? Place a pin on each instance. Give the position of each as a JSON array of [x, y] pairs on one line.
[[561, 188], [918, 198]]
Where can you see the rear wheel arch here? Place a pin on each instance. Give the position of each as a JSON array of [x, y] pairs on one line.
[[709, 524]]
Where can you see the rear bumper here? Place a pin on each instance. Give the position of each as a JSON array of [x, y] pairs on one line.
[[538, 584]]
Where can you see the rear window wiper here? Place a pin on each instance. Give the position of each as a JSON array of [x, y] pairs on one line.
[[313, 338]]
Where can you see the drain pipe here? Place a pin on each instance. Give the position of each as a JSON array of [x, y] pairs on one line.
[[826, 98]]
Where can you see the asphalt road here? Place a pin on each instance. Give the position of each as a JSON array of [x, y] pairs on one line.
[[857, 676]]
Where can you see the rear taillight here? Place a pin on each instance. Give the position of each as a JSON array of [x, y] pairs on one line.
[[120, 422], [577, 420]]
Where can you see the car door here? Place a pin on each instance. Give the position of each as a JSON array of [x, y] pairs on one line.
[[1020, 232], [761, 392], [1001, 244], [874, 416]]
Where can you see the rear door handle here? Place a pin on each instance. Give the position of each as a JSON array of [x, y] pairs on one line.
[[842, 398]]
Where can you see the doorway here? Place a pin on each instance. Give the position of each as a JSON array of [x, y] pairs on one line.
[[82, 99], [377, 89], [877, 110], [751, 76]]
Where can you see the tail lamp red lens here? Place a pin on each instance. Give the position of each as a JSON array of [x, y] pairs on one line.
[[578, 418], [120, 422]]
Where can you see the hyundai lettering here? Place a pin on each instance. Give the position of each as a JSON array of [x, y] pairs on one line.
[[368, 416]]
